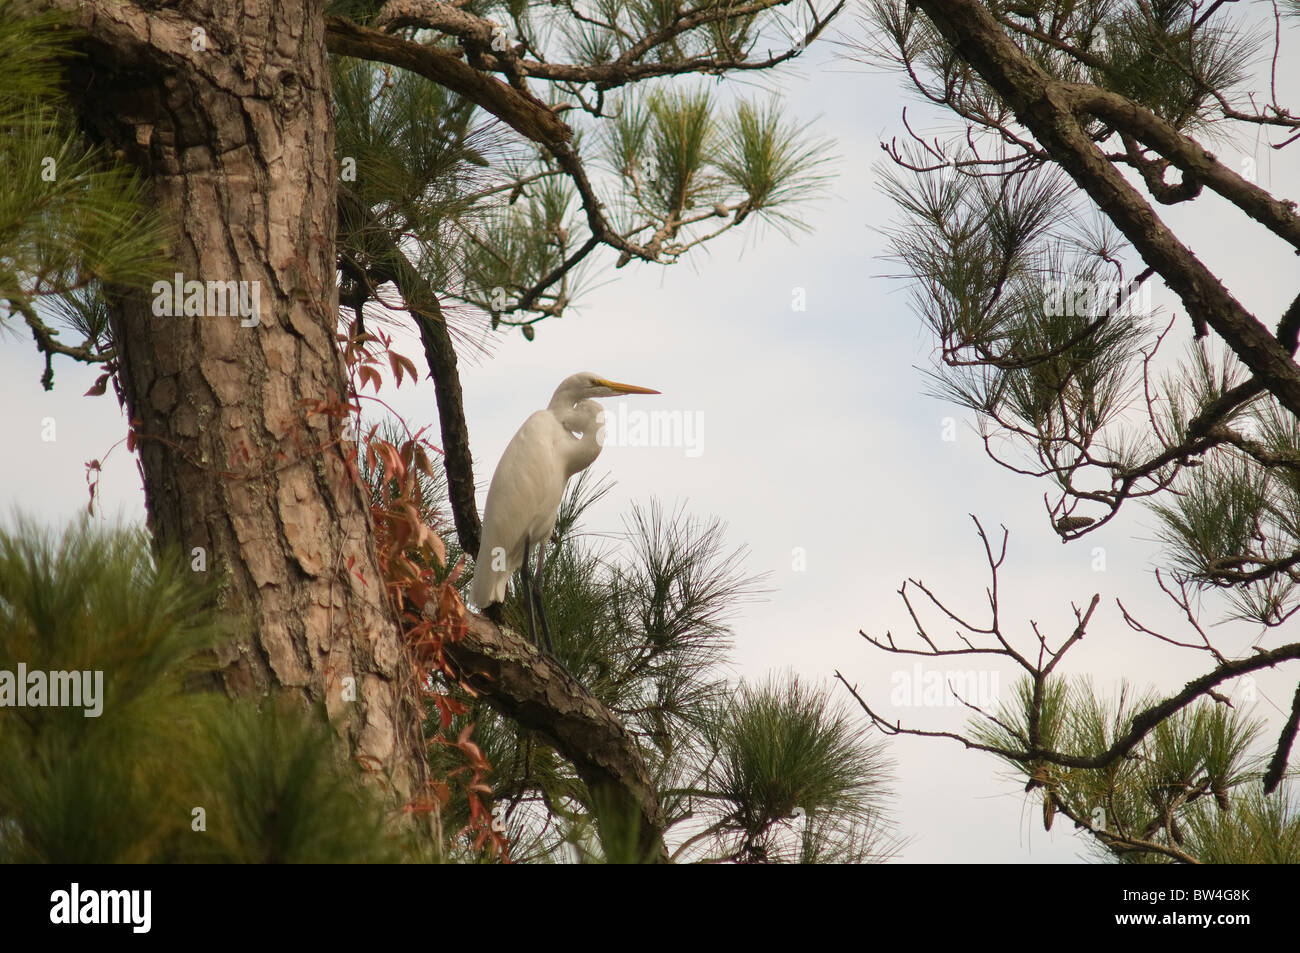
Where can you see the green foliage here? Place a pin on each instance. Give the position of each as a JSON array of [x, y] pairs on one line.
[[1145, 51], [502, 227], [71, 219], [674, 155], [1216, 516], [773, 162], [680, 140], [786, 750], [521, 242], [1152, 56], [124, 786], [85, 310], [1234, 516], [1192, 785], [1035, 328], [1260, 829], [411, 168], [270, 783], [77, 789]]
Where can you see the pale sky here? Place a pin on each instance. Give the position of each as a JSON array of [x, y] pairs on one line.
[[816, 434]]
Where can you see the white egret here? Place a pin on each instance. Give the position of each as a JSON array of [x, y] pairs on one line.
[[523, 499]]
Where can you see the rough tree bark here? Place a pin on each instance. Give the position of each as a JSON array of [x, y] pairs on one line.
[[229, 119], [235, 137]]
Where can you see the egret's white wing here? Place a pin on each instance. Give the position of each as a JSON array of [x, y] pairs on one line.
[[522, 502]]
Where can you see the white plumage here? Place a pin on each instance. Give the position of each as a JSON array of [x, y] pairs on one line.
[[524, 496]]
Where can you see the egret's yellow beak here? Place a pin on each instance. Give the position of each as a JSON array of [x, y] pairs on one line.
[[623, 388]]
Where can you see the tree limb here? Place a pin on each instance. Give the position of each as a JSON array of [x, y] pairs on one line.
[[1277, 766], [530, 689], [1049, 108], [420, 299], [518, 109]]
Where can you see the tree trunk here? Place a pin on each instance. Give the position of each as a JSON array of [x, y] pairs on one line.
[[229, 120]]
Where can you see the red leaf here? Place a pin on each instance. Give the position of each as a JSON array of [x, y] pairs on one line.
[[398, 364]]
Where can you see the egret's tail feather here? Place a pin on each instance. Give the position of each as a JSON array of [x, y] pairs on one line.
[[489, 586]]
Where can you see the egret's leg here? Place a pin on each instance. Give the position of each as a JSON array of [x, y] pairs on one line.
[[528, 597], [541, 608], [541, 563], [532, 587]]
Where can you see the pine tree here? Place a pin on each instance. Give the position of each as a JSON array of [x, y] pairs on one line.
[[155, 771], [293, 185], [1032, 233]]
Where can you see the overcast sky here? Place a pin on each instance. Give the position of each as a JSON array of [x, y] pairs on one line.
[[816, 436]]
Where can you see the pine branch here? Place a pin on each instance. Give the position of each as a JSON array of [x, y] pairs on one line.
[[1277, 766], [527, 687], [421, 300], [48, 344], [518, 109], [1141, 725], [478, 34], [1053, 111]]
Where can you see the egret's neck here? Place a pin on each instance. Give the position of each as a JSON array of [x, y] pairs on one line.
[[563, 401], [583, 419]]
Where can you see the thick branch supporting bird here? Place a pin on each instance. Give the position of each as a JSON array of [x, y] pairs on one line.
[[537, 693]]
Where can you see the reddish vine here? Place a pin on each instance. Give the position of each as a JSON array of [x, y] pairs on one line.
[[412, 557]]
